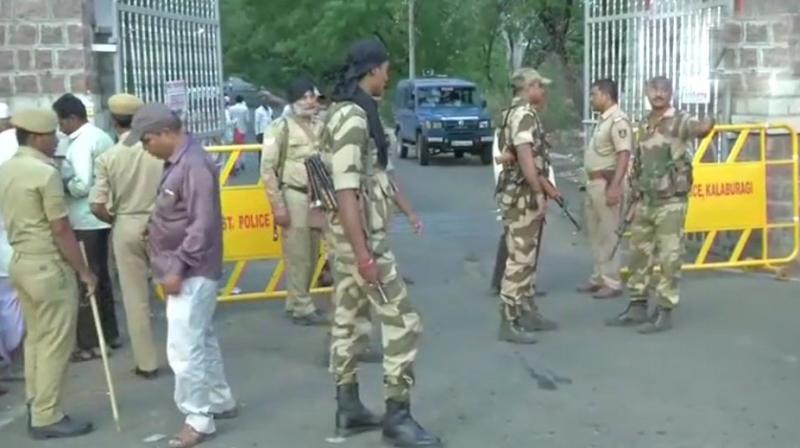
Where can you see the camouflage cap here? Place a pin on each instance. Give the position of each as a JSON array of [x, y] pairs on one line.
[[153, 117], [38, 121], [526, 75], [124, 104]]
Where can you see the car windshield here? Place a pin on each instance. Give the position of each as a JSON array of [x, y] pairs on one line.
[[446, 96]]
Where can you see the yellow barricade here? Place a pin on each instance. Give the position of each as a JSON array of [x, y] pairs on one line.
[[728, 205], [249, 234]]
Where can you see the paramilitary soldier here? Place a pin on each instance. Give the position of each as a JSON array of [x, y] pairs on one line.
[[606, 163], [661, 181], [365, 268], [522, 201], [123, 195], [46, 257], [289, 141]]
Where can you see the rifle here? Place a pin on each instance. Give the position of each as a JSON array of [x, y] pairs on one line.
[[560, 201], [562, 204], [623, 226]]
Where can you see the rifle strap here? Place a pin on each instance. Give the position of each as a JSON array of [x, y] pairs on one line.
[[283, 148]]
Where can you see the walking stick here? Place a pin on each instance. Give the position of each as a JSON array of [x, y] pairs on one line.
[[100, 337]]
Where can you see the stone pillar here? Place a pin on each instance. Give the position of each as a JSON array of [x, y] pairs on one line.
[[45, 51], [760, 67]]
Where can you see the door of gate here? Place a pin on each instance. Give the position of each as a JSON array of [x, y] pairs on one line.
[[170, 51], [631, 41]]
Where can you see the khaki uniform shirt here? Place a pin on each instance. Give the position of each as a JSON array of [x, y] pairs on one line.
[[31, 196], [126, 179], [302, 141], [612, 135]]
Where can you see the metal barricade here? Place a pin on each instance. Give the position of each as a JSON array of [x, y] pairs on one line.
[[733, 212], [250, 236]]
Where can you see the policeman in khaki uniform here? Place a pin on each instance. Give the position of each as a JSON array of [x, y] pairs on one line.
[[46, 257], [126, 181], [606, 163], [287, 144], [661, 182]]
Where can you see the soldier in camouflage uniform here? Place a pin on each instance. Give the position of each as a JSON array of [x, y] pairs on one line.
[[364, 266], [522, 201], [661, 181], [288, 142]]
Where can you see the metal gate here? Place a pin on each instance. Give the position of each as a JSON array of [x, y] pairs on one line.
[[631, 41], [170, 51]]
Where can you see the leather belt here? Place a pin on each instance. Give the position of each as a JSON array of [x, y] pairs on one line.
[[303, 190]]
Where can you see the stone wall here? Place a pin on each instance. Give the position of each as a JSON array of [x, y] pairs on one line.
[[45, 50], [759, 53]]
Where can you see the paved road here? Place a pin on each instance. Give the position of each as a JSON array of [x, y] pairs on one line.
[[726, 377]]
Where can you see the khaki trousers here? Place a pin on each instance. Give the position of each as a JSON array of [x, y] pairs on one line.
[[601, 223], [48, 292], [133, 264]]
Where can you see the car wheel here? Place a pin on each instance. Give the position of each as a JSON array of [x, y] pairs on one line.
[[423, 154], [486, 155], [401, 143], [458, 154]]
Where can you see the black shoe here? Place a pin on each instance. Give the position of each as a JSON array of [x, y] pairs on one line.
[[352, 417], [63, 429], [148, 375], [115, 343], [401, 430]]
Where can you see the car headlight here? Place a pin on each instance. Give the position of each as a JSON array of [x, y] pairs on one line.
[[484, 124], [433, 124]]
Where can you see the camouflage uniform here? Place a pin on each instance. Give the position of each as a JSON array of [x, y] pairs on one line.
[[354, 165], [662, 179], [521, 218]]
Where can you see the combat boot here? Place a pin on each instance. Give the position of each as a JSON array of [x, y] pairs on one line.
[[635, 314], [352, 417], [661, 321], [532, 320], [512, 331], [401, 430]]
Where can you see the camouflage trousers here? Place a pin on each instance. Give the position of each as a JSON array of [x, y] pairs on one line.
[[657, 236], [518, 284], [352, 323]]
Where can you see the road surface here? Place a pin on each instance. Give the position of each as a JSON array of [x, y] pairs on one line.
[[725, 377]]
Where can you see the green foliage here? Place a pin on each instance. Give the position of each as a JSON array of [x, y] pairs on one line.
[[271, 42]]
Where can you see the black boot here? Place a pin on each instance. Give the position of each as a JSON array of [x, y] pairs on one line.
[[401, 430], [352, 417], [62, 429]]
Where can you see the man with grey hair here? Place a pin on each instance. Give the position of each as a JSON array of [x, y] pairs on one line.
[[185, 238], [660, 183]]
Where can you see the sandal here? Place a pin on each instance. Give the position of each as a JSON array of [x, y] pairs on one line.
[[187, 438]]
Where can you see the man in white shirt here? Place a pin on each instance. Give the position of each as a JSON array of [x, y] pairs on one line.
[[241, 118], [263, 119], [86, 143], [11, 324]]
